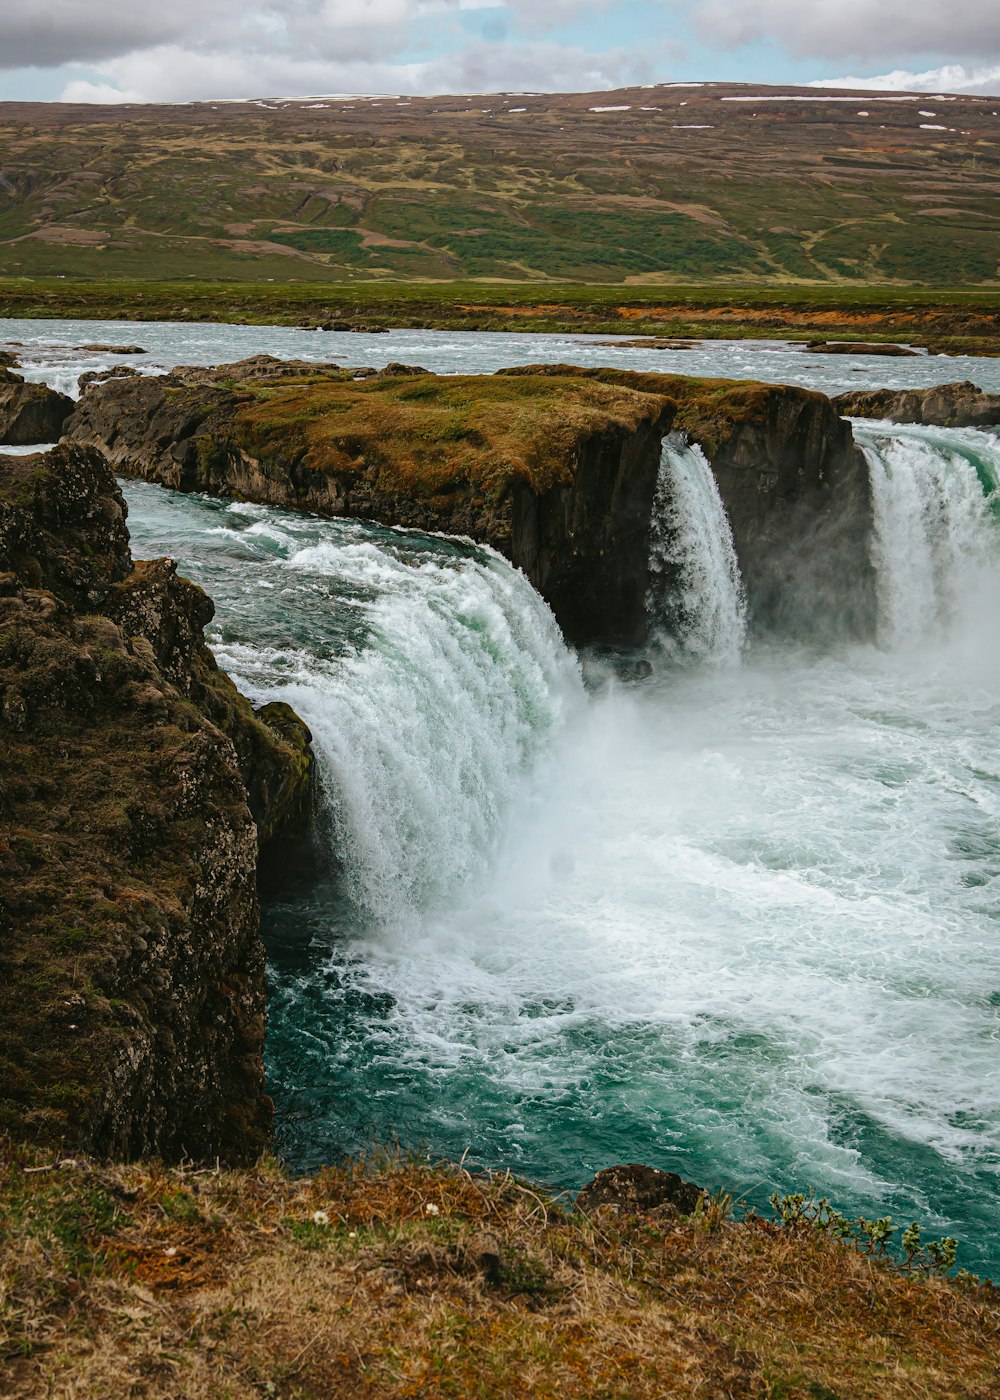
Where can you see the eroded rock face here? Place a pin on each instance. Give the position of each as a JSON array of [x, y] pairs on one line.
[[959, 405], [797, 492], [131, 967], [582, 541], [795, 487], [30, 412], [585, 545]]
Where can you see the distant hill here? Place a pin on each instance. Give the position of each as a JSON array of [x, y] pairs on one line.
[[684, 183]]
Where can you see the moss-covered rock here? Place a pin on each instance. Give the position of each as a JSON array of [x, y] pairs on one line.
[[131, 966]]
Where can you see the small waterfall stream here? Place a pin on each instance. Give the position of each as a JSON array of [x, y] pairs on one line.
[[695, 601]]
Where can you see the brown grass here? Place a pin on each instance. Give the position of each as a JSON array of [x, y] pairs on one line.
[[426, 1281], [428, 434]]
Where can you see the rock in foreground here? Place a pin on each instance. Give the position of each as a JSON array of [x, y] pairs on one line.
[[131, 966]]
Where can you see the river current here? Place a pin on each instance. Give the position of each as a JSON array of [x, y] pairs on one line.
[[739, 919]]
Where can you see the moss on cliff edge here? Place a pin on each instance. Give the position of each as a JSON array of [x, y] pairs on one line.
[[431, 435], [131, 967]]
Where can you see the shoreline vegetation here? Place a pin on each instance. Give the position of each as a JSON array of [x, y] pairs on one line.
[[945, 321], [402, 1277]]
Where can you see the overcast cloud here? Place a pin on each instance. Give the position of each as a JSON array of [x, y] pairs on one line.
[[875, 29], [130, 50]]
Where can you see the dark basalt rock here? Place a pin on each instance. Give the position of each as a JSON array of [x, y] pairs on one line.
[[137, 784], [585, 545], [638, 1190], [797, 492], [30, 412], [795, 487], [114, 349], [98, 376], [958, 405]]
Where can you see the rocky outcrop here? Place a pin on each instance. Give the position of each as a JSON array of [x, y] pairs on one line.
[[557, 473], [30, 412], [137, 786], [959, 405], [553, 465], [797, 493], [635, 1189], [860, 347]]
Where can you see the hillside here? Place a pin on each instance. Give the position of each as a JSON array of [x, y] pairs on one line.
[[670, 184]]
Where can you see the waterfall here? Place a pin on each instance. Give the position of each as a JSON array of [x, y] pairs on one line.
[[934, 494], [695, 600], [427, 706]]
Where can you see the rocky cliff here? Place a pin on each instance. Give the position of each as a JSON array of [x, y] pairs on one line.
[[959, 405], [556, 472], [553, 465], [796, 492], [135, 786], [30, 412]]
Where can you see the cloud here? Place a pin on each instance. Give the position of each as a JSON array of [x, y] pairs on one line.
[[953, 77], [867, 29], [173, 73], [49, 33], [46, 33]]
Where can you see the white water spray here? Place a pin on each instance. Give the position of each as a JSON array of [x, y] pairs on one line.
[[695, 600], [933, 494]]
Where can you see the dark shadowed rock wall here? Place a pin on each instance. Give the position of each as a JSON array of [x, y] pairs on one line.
[[134, 780], [30, 412]]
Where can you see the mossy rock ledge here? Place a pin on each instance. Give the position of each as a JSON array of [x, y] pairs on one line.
[[136, 789], [554, 466]]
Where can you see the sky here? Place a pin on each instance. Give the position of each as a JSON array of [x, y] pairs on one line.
[[184, 50]]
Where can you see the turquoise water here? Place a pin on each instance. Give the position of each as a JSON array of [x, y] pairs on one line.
[[740, 920]]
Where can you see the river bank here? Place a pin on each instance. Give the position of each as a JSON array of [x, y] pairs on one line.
[[945, 321]]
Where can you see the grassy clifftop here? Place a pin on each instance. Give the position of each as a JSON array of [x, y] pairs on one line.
[[405, 1279], [431, 435]]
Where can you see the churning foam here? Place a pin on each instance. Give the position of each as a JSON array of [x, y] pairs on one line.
[[740, 922]]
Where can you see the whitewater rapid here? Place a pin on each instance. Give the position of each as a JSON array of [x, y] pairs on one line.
[[739, 920]]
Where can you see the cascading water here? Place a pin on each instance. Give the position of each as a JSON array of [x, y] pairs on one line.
[[934, 494], [695, 600], [737, 923], [429, 671]]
